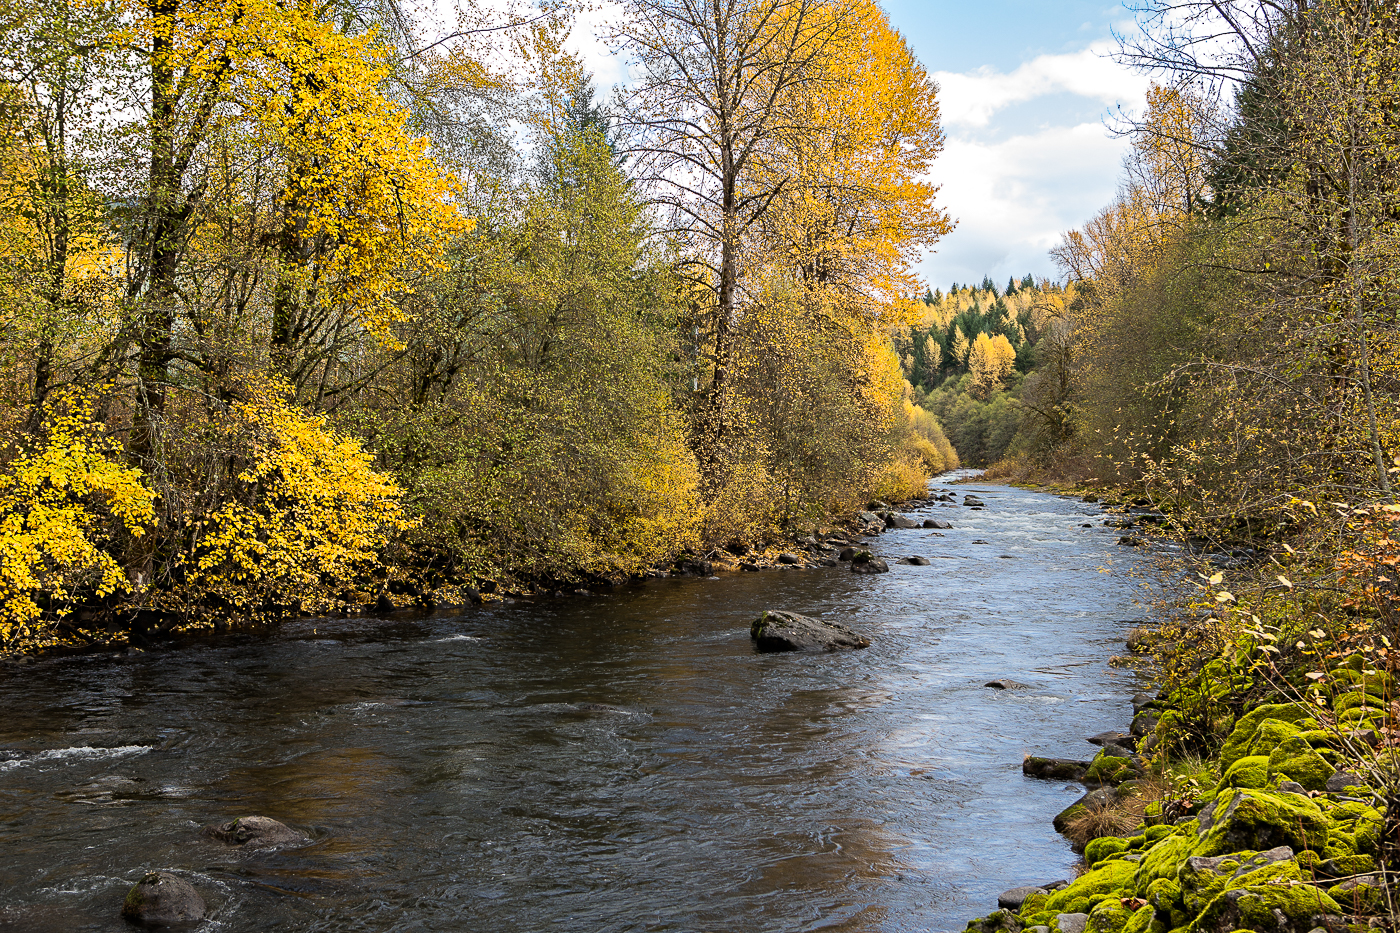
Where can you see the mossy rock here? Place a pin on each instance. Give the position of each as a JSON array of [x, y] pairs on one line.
[[1155, 834], [1204, 879], [1237, 745], [1355, 699], [1343, 866], [1106, 879], [1033, 904], [1041, 918], [1265, 908], [998, 921], [1245, 819], [1109, 915], [1360, 716], [1249, 771], [1108, 769], [1363, 895], [1144, 920], [1163, 861], [1353, 828], [1096, 850], [1271, 733], [1164, 895], [1296, 760]]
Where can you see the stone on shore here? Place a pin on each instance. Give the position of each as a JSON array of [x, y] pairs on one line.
[[1013, 899], [163, 899], [776, 630], [1059, 769], [256, 832]]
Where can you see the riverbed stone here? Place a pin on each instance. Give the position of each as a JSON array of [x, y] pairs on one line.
[[777, 630], [256, 832], [789, 558], [163, 899], [1058, 769], [1112, 738], [1005, 683], [1013, 899], [915, 561], [865, 562], [895, 520]]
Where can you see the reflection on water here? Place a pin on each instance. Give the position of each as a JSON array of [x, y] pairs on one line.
[[620, 762]]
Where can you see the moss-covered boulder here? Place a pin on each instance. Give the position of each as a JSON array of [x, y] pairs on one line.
[[1249, 771], [998, 921], [1110, 770], [1353, 829], [1096, 850], [1164, 860], [1203, 879], [1360, 895], [1265, 908], [1164, 896], [1110, 915], [1237, 745], [1108, 878], [1244, 819], [1144, 920], [1294, 759], [1270, 733]]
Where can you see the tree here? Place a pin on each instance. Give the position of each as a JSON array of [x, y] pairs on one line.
[[715, 79]]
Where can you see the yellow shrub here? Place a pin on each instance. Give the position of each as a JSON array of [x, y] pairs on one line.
[[306, 520], [61, 502]]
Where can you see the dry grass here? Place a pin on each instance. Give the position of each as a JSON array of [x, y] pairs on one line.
[[1122, 817]]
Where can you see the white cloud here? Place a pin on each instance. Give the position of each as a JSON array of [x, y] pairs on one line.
[[972, 99], [1014, 197]]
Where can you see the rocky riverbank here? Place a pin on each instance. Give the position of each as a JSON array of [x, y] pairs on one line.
[[1282, 829]]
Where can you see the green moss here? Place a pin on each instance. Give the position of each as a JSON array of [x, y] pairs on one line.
[[1256, 820], [1272, 732], [1353, 829], [1203, 879], [1109, 915], [1155, 834], [1108, 769], [1354, 699], [1032, 905], [1254, 907], [1099, 849], [1237, 745], [1106, 879], [1296, 760], [1144, 920], [1358, 897], [998, 920], [1163, 861], [1249, 771]]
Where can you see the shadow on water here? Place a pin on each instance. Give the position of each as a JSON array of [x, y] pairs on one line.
[[621, 762]]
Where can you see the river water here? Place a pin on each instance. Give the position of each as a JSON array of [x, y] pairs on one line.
[[610, 763]]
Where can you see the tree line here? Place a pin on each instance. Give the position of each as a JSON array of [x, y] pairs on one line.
[[304, 308]]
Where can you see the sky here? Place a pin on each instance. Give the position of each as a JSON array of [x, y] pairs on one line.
[[1027, 92]]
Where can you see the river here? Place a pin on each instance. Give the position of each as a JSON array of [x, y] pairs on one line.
[[610, 763]]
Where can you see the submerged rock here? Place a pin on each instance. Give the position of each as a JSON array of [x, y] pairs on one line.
[[1005, 683], [163, 899], [776, 630], [256, 832], [915, 561]]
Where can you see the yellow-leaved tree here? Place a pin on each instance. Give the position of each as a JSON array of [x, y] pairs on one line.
[[989, 362]]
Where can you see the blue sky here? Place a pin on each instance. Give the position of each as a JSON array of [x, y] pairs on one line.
[[1025, 89]]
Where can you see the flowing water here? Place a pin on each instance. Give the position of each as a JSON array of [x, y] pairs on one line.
[[610, 763]]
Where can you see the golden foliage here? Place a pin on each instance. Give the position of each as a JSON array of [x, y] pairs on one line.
[[63, 501]]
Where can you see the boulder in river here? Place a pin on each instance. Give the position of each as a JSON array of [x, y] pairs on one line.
[[1013, 899], [1005, 683], [163, 899], [915, 561], [937, 524], [847, 553], [865, 562], [1056, 769], [1112, 738], [256, 832], [895, 520], [776, 630]]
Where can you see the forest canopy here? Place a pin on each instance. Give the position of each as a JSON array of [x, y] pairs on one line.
[[304, 308]]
